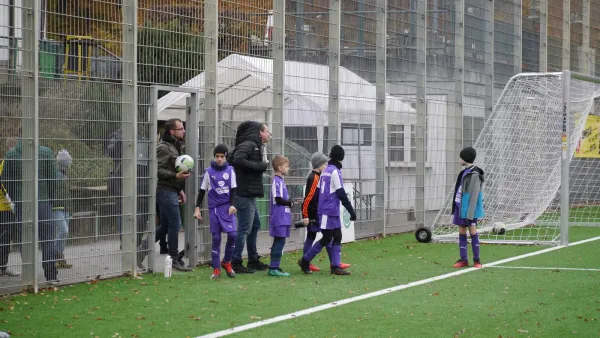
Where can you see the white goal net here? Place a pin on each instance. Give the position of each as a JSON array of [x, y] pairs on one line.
[[521, 151]]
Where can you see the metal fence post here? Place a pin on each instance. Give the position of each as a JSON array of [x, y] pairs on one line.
[[30, 142], [586, 67], [543, 14], [335, 17], [518, 43], [191, 183], [421, 82], [380, 109], [129, 129], [276, 114], [566, 35], [210, 102], [459, 73], [153, 178], [489, 58]]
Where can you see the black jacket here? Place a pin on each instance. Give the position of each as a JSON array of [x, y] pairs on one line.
[[247, 160], [311, 196], [167, 151]]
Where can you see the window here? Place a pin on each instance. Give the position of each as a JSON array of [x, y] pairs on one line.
[[396, 143], [303, 136], [356, 134]]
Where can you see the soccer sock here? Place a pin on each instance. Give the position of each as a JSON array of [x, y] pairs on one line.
[[229, 246], [313, 252], [330, 250], [462, 244], [475, 246], [216, 249], [336, 255], [308, 243]]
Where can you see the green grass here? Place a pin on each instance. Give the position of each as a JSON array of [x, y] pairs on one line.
[[584, 214], [192, 304]]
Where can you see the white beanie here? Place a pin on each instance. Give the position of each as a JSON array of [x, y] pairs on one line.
[[63, 160]]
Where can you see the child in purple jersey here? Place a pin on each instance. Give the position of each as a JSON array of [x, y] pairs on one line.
[[281, 215], [467, 206], [220, 182], [331, 193]]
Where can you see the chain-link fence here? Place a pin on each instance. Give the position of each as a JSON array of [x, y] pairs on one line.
[[402, 85]]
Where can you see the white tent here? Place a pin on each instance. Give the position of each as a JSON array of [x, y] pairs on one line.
[[245, 92]]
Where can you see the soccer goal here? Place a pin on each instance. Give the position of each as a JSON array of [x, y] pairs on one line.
[[541, 156]]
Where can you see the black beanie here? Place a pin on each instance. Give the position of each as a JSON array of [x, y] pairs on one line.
[[468, 155], [337, 153], [221, 149]]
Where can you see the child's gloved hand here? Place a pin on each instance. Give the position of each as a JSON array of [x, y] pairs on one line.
[[232, 210]]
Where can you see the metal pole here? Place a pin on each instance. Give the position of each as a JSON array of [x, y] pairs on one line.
[[566, 35], [459, 74], [276, 115], [30, 143], [361, 27], [335, 18], [129, 129], [584, 59], [380, 109], [153, 178], [518, 37], [191, 183], [210, 135], [565, 159], [299, 27], [543, 13], [421, 60], [489, 58]]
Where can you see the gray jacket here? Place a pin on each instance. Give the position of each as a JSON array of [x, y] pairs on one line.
[[473, 185]]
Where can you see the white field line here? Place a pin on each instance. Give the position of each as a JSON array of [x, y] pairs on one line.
[[544, 268], [381, 292]]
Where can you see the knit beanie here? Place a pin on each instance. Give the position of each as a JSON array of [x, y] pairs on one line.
[[318, 159], [221, 149], [63, 160], [468, 155], [337, 153]]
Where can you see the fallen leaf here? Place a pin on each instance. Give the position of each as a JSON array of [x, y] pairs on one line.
[[99, 318], [255, 317], [140, 318], [27, 317], [522, 331]]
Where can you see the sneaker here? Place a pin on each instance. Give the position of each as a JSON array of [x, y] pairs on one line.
[[180, 266], [343, 266], [460, 264], [477, 264], [304, 266], [216, 274], [313, 268], [278, 273], [62, 264], [257, 265], [227, 266], [339, 271], [239, 268]]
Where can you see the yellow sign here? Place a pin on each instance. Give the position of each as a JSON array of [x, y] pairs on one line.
[[589, 145]]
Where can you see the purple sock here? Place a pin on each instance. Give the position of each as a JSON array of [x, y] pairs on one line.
[[329, 250], [462, 244], [308, 243], [313, 252], [336, 255], [274, 264], [216, 249], [229, 246], [475, 246]]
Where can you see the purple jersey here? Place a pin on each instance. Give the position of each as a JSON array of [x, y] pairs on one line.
[[280, 214], [330, 181], [217, 184]]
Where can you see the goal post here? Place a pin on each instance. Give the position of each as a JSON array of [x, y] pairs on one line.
[[540, 151]]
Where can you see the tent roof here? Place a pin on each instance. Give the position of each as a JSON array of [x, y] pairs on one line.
[[246, 82]]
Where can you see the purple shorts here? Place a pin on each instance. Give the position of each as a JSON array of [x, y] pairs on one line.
[[279, 230], [313, 227], [460, 221], [220, 220], [329, 222]]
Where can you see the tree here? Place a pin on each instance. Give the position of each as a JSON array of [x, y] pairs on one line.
[[170, 54]]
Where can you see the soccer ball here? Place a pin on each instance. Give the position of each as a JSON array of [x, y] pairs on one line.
[[499, 228], [184, 163]]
